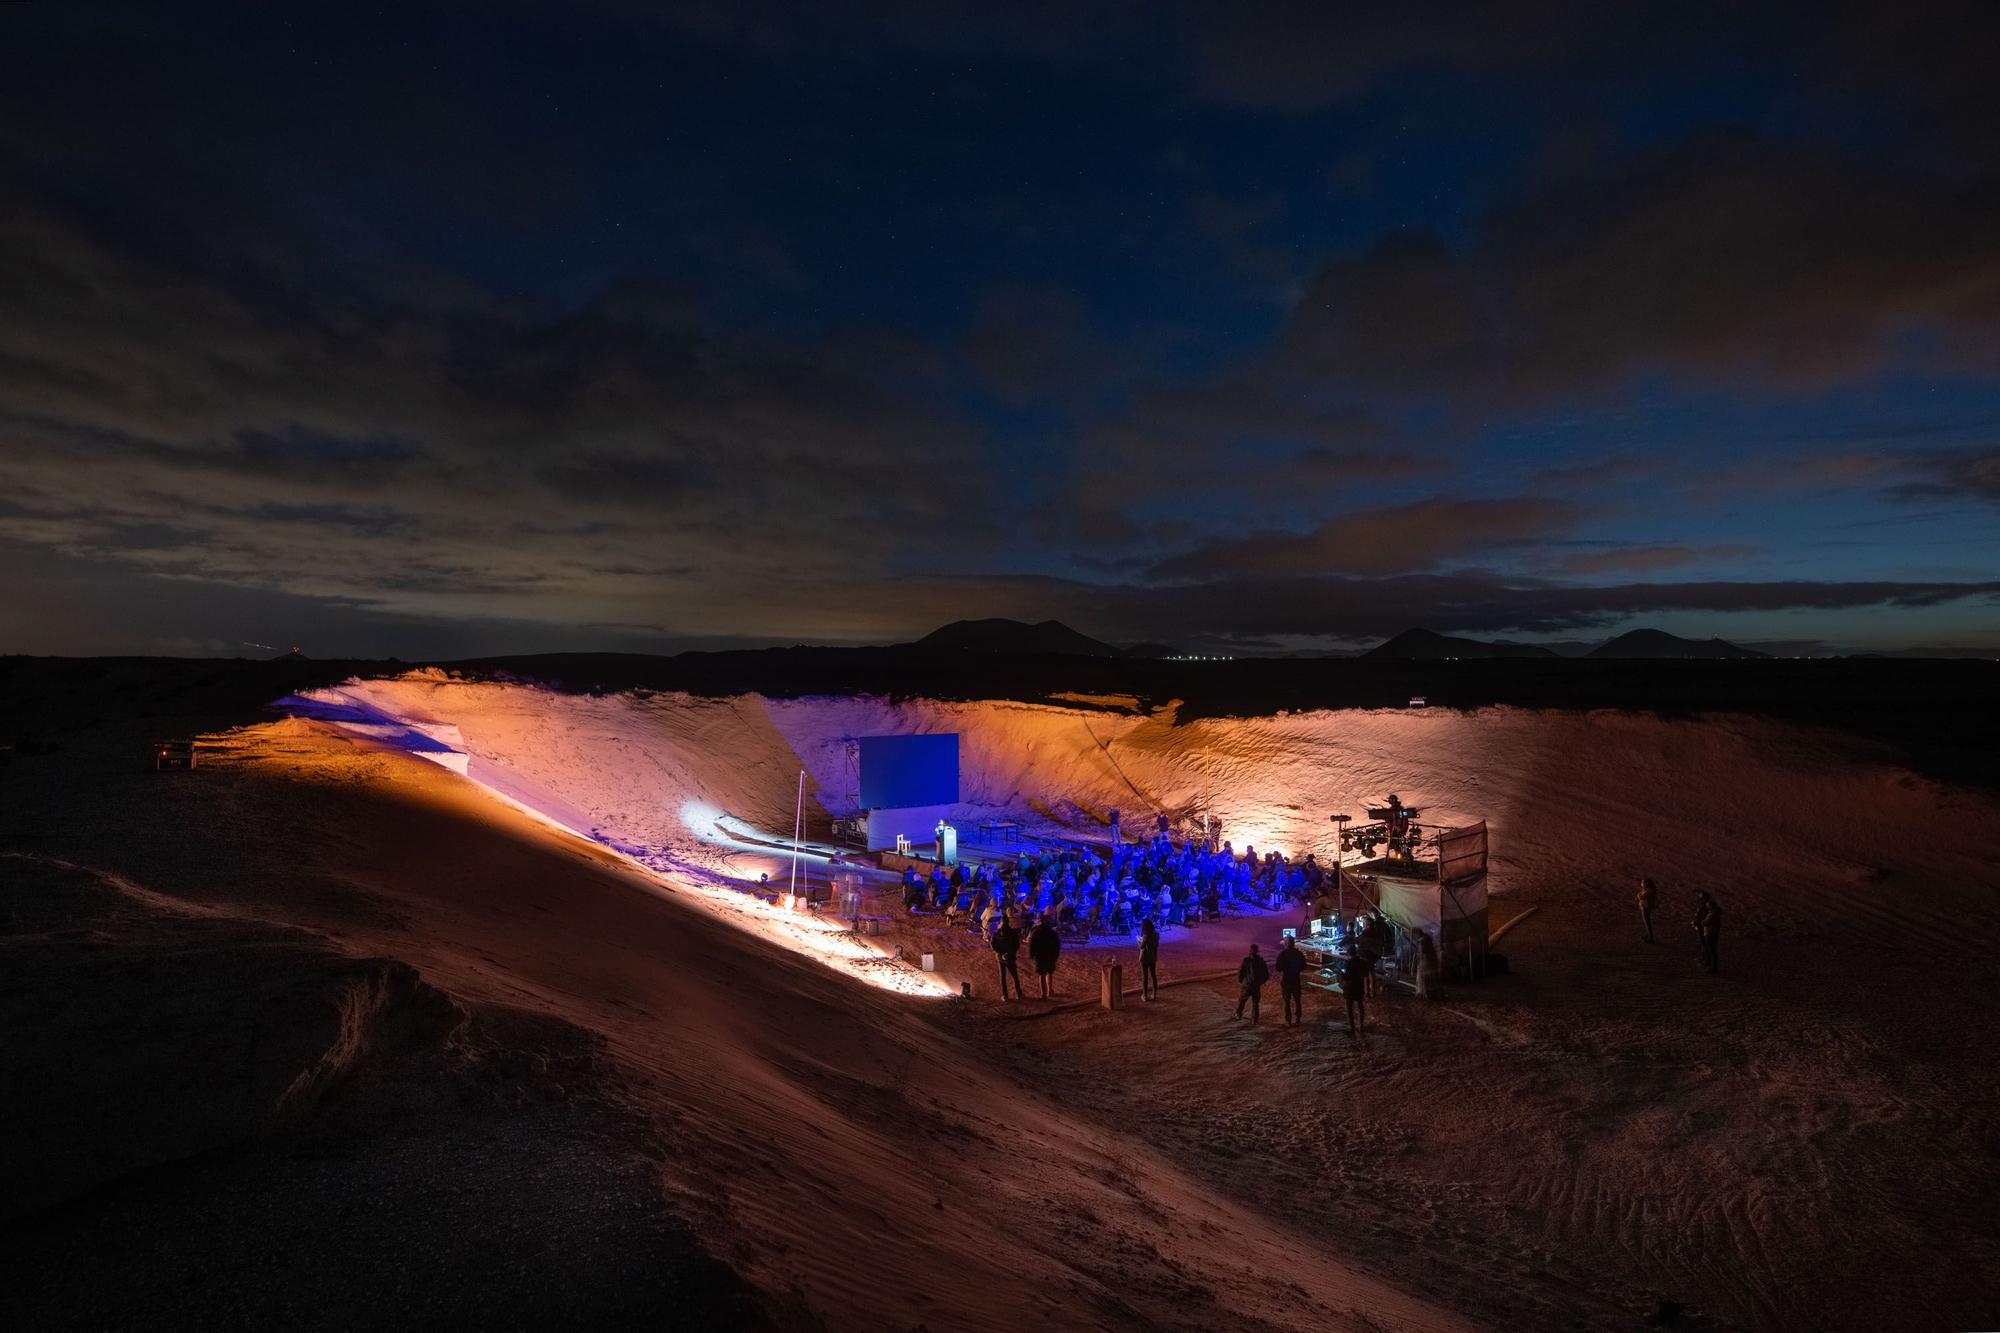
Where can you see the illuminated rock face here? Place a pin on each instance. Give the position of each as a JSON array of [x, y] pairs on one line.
[[1794, 819]]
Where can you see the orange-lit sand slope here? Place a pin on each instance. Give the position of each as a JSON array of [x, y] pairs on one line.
[[844, 1147], [1796, 828], [1551, 1150], [1556, 1149]]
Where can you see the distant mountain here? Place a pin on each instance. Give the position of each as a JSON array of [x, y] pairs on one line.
[[1016, 636], [1428, 645], [1659, 643]]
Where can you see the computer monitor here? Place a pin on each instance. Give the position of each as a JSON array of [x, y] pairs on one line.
[[1289, 933]]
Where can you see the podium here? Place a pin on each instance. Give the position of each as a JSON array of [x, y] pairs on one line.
[[947, 844], [1111, 986]]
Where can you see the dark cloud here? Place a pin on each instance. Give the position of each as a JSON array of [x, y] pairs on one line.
[[1357, 609], [79, 605], [1247, 446], [1378, 541], [1291, 53], [194, 422], [1946, 474], [1319, 467], [1599, 471], [1903, 474], [746, 322], [1729, 259], [1615, 559]]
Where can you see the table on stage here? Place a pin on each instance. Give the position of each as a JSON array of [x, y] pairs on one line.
[[1002, 830]]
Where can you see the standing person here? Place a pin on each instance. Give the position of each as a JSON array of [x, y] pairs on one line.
[[1291, 967], [1363, 951], [1649, 898], [1382, 940], [1045, 946], [1428, 970], [1149, 961], [1708, 928], [1354, 974], [1251, 974], [1007, 944]]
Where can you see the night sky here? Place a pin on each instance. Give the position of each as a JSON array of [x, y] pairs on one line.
[[477, 328]]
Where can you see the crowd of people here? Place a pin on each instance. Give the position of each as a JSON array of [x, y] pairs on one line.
[[1036, 899], [1112, 890]]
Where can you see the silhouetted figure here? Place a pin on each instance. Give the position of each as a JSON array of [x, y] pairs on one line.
[[1381, 943], [1045, 946], [1365, 950], [1354, 973], [1430, 982], [1291, 969], [1251, 974], [1007, 944], [1649, 898], [1149, 960], [1708, 929], [1398, 827]]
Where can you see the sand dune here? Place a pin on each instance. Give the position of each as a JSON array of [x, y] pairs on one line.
[[1799, 829], [835, 1144], [1554, 1149]]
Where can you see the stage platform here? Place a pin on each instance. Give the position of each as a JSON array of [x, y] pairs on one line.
[[897, 862]]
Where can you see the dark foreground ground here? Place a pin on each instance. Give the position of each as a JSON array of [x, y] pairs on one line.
[[321, 1039], [174, 1158]]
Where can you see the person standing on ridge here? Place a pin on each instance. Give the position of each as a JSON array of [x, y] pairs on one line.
[[1045, 946], [1708, 928], [1291, 968], [1007, 944], [1149, 961], [1251, 974], [1649, 898]]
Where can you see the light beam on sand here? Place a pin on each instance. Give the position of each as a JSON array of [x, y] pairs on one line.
[[823, 940], [818, 937]]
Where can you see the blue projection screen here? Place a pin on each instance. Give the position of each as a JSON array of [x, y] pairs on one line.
[[899, 771]]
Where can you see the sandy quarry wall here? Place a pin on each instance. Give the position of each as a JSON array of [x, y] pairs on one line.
[[1794, 826]]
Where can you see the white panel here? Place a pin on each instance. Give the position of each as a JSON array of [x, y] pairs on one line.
[[918, 823]]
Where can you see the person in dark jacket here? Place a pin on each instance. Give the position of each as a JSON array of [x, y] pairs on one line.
[[1149, 960], [1251, 974], [1007, 944], [1649, 898], [1708, 928], [1385, 947], [1291, 969], [1045, 946], [1367, 949], [1354, 974]]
